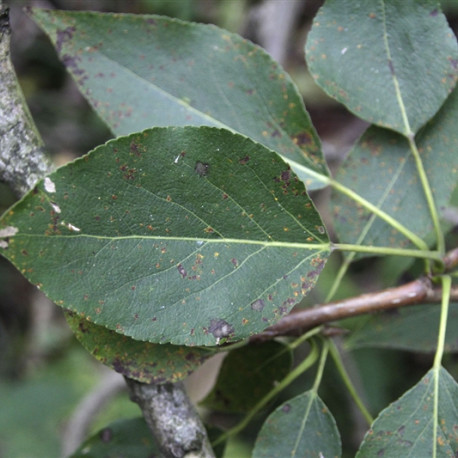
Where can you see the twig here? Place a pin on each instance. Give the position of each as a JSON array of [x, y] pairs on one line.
[[173, 419], [298, 321]]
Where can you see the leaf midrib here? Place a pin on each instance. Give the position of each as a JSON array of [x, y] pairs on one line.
[[306, 246]]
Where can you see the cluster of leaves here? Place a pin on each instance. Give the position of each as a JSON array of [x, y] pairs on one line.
[[166, 243]]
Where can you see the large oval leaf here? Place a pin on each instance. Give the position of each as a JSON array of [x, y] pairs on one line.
[[301, 427], [382, 169], [144, 71], [406, 427], [182, 235], [391, 62]]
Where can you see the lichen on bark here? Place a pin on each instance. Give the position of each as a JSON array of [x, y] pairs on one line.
[[23, 160]]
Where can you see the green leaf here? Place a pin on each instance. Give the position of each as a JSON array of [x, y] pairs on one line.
[[406, 427], [123, 438], [381, 168], [247, 375], [144, 71], [190, 236], [391, 63], [301, 427], [408, 328], [142, 361]]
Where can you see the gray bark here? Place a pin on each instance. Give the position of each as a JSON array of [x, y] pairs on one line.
[[172, 418], [22, 157]]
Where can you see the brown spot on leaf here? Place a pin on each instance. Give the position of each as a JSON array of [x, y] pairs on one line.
[[244, 160], [182, 271], [303, 138]]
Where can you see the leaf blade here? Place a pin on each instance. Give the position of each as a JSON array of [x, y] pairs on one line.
[[302, 427], [382, 169], [145, 236], [141, 361], [400, 39], [184, 74], [400, 330], [406, 426]]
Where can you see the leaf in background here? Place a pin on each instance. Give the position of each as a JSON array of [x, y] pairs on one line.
[[382, 169], [173, 235], [407, 328], [405, 428], [123, 438], [391, 63], [142, 361], [143, 71], [247, 375], [301, 427]]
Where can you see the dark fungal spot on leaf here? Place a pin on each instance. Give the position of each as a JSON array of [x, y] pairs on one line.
[[257, 305], [182, 271], [106, 435], [64, 35], [303, 138], [244, 160], [286, 175], [72, 63], [220, 328], [202, 168], [434, 12], [286, 408]]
